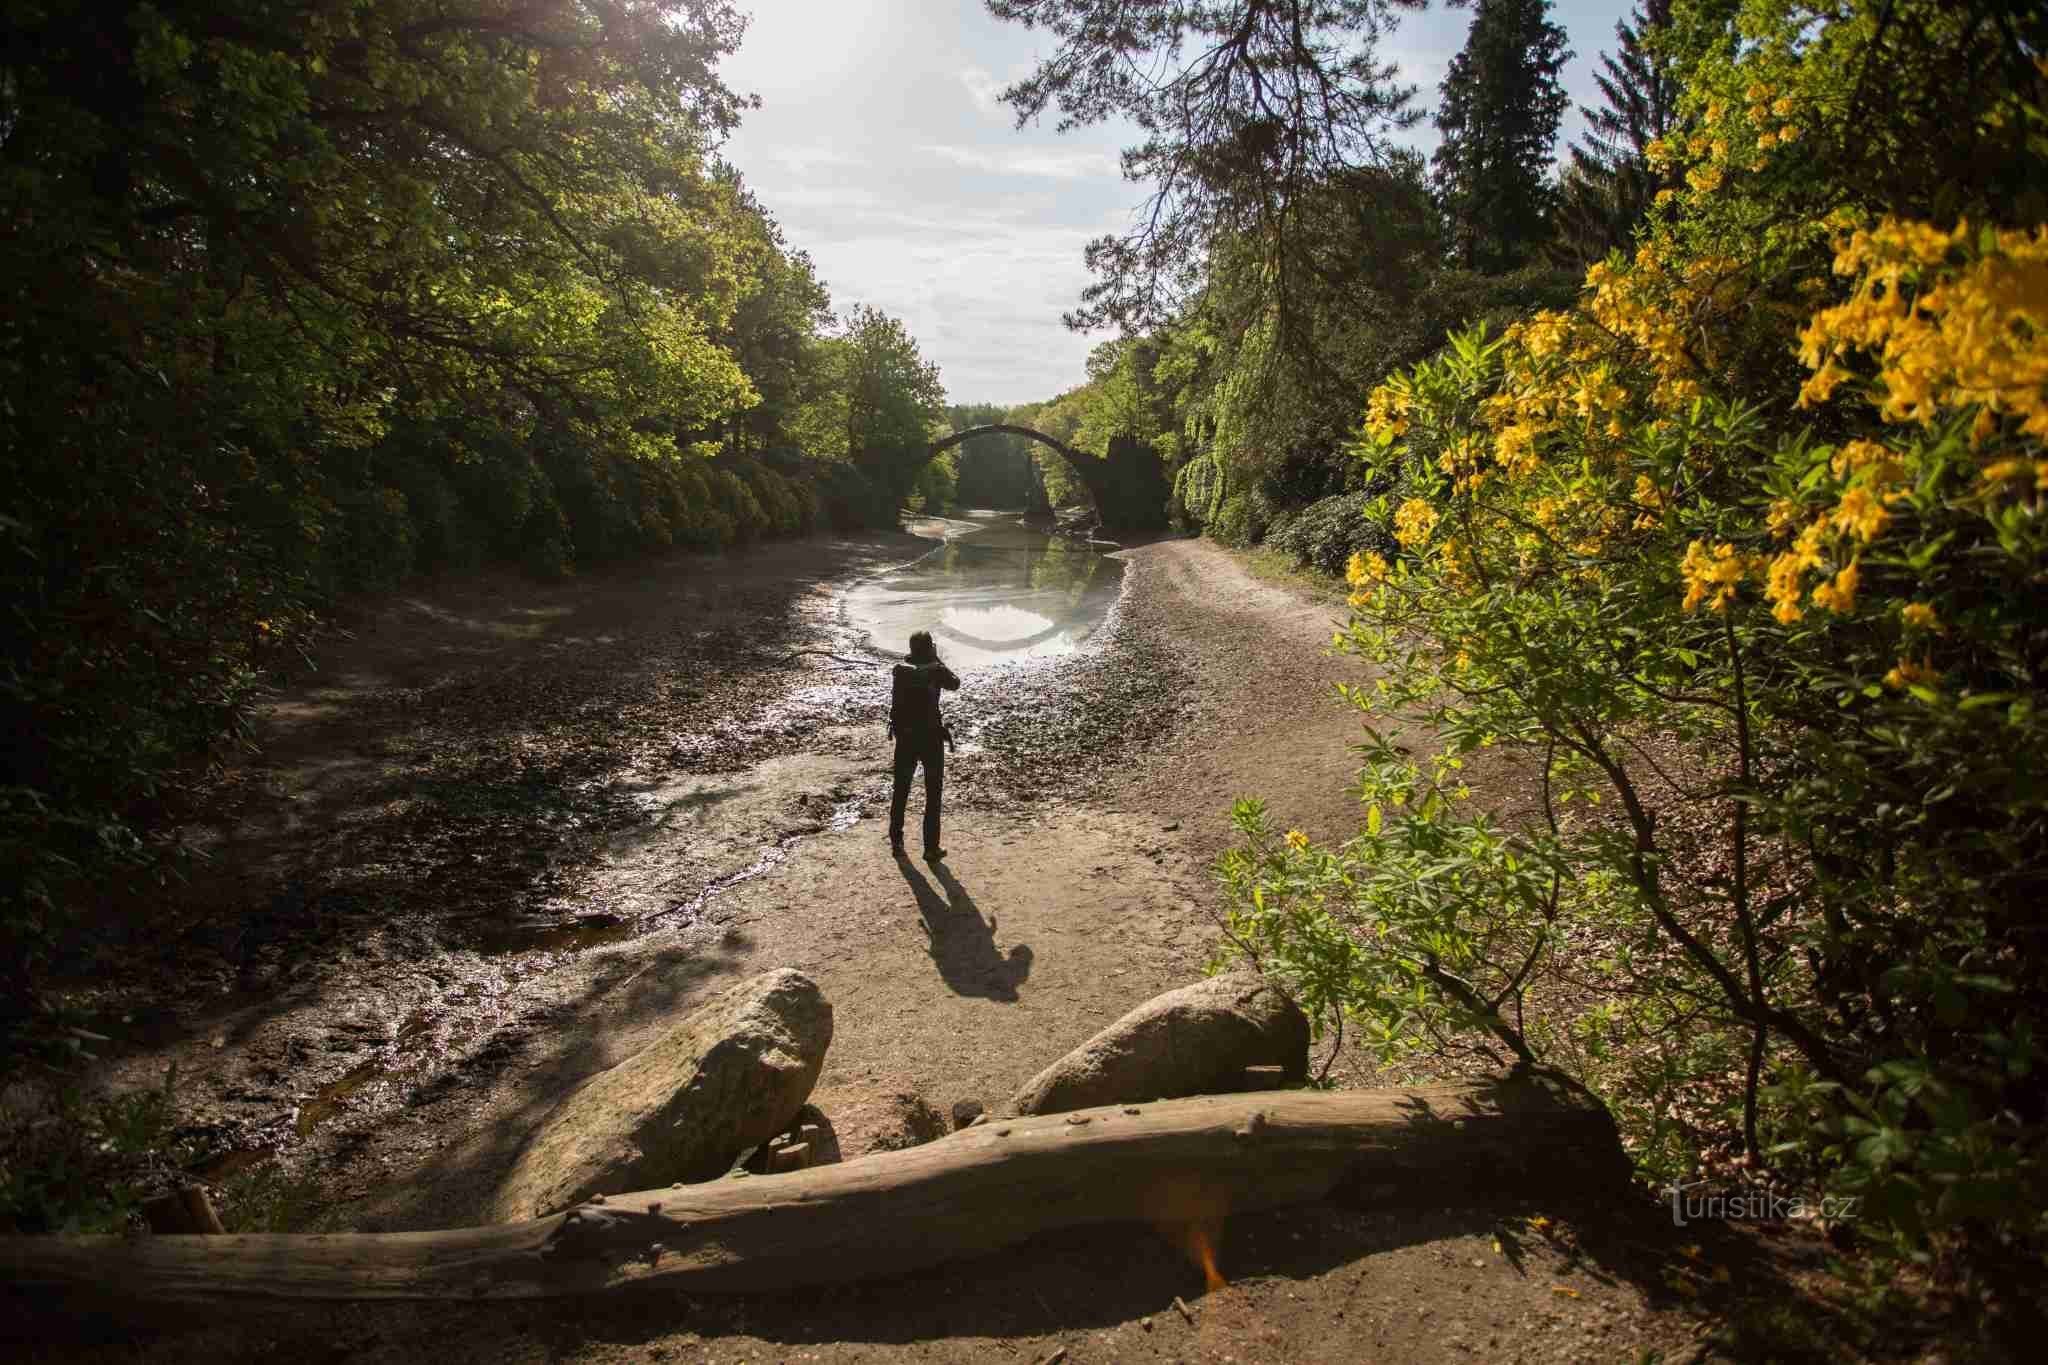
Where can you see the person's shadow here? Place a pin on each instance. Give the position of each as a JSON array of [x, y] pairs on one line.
[[963, 944]]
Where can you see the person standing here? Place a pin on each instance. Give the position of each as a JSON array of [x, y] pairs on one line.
[[920, 738]]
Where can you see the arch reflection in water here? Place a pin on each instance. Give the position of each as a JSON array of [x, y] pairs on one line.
[[996, 592]]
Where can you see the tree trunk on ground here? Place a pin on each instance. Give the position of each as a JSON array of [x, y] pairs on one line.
[[971, 1192]]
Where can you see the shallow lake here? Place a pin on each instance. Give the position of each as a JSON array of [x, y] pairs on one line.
[[993, 591]]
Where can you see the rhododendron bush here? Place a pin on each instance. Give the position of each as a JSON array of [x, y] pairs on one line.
[[1739, 564]]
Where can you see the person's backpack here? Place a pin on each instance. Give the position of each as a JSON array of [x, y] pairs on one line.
[[914, 704]]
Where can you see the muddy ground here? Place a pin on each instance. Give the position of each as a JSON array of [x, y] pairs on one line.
[[506, 834]]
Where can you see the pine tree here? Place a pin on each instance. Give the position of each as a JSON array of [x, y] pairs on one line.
[[1501, 105], [1609, 185]]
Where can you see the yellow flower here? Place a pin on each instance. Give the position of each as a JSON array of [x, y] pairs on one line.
[[1784, 512], [1861, 514], [1921, 616], [1413, 522], [1757, 93], [1783, 107], [1822, 386], [1386, 411], [1715, 109], [1515, 448], [1364, 569], [1866, 461], [1839, 595], [1711, 577], [1705, 179], [1297, 841], [1766, 140], [1908, 672]]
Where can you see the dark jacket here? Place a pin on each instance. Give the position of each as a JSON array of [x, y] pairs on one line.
[[914, 701]]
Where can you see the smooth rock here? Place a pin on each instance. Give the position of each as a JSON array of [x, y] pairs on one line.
[[729, 1077], [1197, 1040]]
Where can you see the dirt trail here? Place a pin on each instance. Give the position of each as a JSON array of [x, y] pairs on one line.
[[1076, 887]]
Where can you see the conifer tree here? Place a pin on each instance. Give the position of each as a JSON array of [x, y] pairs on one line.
[[1501, 105], [1609, 184]]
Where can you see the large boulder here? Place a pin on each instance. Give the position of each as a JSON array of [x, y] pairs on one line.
[[1194, 1041], [731, 1076]]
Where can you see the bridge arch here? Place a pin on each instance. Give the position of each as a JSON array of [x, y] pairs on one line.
[[1129, 484]]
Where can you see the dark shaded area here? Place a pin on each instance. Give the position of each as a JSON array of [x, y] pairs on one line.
[[962, 940]]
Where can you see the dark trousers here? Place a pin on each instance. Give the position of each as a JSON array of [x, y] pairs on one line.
[[910, 753]]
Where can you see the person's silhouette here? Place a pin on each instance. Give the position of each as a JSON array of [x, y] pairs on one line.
[[920, 736]]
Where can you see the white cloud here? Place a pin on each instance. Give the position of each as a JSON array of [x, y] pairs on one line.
[[983, 88], [1048, 165]]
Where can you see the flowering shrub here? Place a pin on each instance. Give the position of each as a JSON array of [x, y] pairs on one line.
[[1740, 562]]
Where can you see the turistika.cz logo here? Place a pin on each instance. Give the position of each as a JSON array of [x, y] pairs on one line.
[[1695, 1203]]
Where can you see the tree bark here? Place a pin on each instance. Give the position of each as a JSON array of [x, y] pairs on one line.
[[973, 1191]]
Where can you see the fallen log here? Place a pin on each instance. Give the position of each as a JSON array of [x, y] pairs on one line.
[[981, 1188]]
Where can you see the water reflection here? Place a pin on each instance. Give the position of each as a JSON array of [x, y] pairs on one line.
[[994, 591]]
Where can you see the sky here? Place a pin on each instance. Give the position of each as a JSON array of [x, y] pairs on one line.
[[881, 148]]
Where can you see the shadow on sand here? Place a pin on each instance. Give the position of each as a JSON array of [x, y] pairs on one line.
[[963, 943]]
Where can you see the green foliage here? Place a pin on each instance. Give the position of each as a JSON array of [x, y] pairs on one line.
[[1242, 517], [1198, 490], [1769, 654], [1326, 534], [74, 1162]]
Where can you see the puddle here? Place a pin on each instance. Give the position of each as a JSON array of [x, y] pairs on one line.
[[551, 936], [996, 593]]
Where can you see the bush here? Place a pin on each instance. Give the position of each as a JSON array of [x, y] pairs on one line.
[[1241, 519], [447, 534], [1197, 491], [374, 550], [1325, 535], [1771, 650], [849, 500]]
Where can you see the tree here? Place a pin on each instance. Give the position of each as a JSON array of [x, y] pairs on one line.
[[1245, 107], [1608, 186], [894, 398], [1502, 101]]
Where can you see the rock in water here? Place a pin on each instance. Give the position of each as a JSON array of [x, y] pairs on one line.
[[732, 1075], [1194, 1041]]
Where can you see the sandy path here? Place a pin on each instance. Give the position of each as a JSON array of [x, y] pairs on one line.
[[1053, 915]]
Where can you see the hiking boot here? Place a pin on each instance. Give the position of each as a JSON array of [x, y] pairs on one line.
[[935, 855]]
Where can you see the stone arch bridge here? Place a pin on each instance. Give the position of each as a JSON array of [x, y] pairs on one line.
[[1129, 484]]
